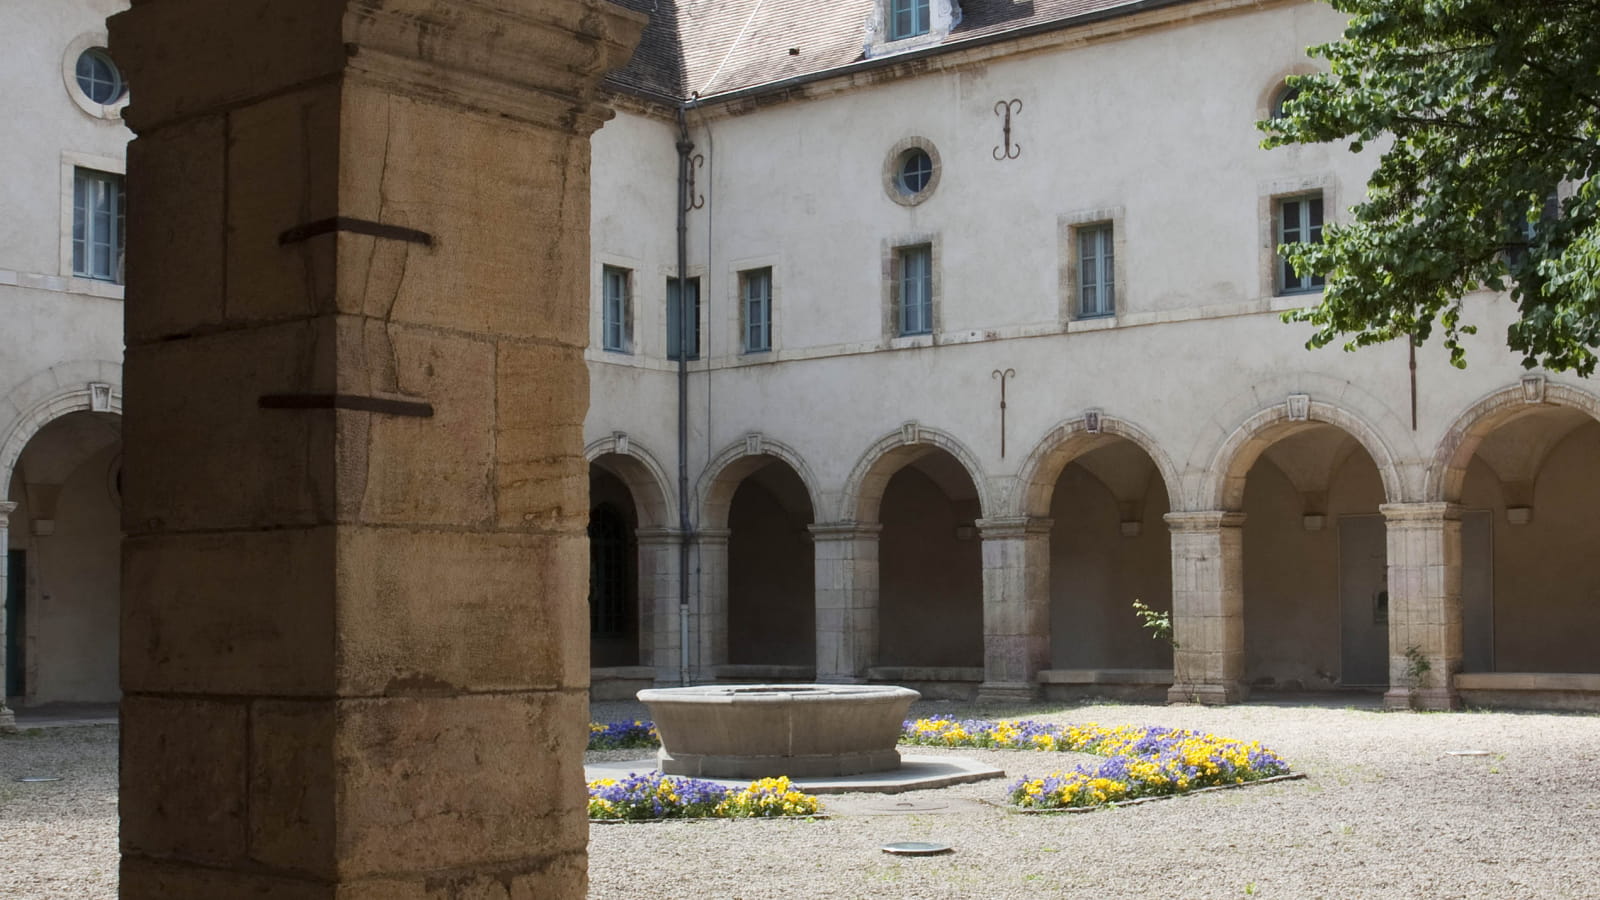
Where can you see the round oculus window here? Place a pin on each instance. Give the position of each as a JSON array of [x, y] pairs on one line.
[[99, 78], [914, 172]]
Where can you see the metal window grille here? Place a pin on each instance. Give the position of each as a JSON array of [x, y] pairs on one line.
[[1097, 283], [683, 318], [757, 310], [98, 225], [614, 309], [610, 571], [1299, 221], [916, 289]]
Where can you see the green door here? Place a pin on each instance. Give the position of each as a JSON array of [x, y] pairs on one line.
[[16, 620]]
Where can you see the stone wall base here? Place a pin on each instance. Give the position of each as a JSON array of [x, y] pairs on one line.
[[1207, 694]]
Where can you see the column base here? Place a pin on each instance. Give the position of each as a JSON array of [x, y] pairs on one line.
[[1424, 699], [8, 719], [1007, 692], [824, 678], [1207, 694]]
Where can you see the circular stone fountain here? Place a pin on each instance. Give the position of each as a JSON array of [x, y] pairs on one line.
[[761, 730]]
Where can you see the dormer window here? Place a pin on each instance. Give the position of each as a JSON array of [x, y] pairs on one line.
[[907, 19]]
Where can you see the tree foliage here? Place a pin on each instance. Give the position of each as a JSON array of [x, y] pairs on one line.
[[1488, 116]]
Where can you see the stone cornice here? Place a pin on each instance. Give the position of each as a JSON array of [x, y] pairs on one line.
[[533, 61], [1013, 527], [844, 531], [1203, 520]]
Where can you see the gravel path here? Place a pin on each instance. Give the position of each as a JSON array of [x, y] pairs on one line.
[[1386, 812]]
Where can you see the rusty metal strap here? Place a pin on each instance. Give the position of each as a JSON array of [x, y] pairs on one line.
[[354, 226], [355, 402]]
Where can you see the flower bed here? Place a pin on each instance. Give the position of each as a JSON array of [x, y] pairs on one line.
[[1145, 761], [623, 735], [656, 796]]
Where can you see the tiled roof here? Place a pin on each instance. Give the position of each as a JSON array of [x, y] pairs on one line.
[[714, 47]]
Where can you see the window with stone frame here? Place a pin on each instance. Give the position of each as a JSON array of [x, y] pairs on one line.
[[683, 319], [616, 309], [99, 225], [913, 290], [908, 19], [1298, 220], [755, 291]]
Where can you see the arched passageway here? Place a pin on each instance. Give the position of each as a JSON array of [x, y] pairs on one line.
[[64, 563], [1316, 593], [1530, 589], [771, 586], [1108, 547], [613, 572], [930, 566]]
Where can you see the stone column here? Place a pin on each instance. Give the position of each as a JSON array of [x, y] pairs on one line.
[[658, 602], [1016, 606], [709, 627], [847, 600], [1424, 546], [1207, 606], [354, 636], [8, 719]]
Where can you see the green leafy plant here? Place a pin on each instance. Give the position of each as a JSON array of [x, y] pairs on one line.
[[1417, 667], [1157, 621]]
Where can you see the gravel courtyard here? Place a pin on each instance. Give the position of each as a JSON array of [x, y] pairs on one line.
[[1386, 811]]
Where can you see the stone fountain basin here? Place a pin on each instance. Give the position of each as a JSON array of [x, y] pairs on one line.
[[763, 730]]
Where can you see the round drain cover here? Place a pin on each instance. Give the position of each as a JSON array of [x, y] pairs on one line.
[[916, 848], [910, 806], [38, 779]]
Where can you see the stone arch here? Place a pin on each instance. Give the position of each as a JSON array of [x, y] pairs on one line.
[[1030, 493], [89, 396], [1447, 469], [722, 476], [892, 452], [1223, 487], [644, 475]]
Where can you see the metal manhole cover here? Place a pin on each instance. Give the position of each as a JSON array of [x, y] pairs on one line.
[[38, 779], [909, 806], [916, 848]]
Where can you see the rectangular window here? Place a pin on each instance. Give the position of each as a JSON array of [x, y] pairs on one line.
[[1097, 283], [1299, 221], [915, 289], [756, 289], [683, 319], [907, 18], [616, 312], [98, 225]]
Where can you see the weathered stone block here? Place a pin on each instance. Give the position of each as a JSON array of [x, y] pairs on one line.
[[188, 795], [450, 782], [262, 624], [432, 612]]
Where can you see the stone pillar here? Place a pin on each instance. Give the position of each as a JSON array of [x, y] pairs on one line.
[[8, 719], [709, 627], [1424, 546], [1207, 607], [847, 600], [354, 636], [1016, 606], [658, 602]]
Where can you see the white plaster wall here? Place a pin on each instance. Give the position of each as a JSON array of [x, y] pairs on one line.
[[61, 334], [1157, 125]]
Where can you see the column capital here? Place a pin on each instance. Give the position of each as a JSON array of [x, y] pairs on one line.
[[7, 507], [999, 527], [845, 531], [1400, 513], [1203, 520], [535, 62], [651, 536]]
